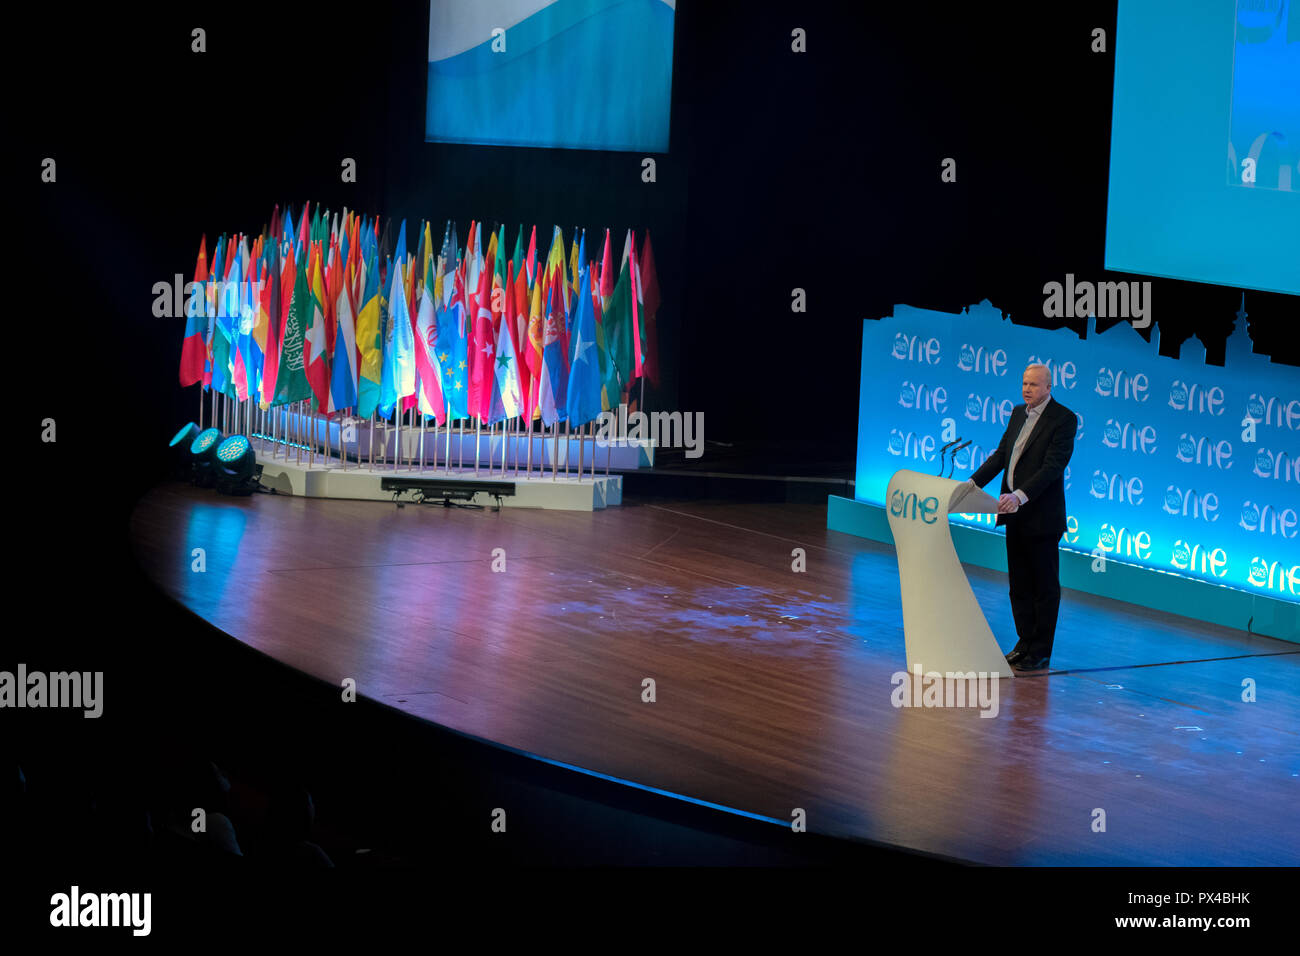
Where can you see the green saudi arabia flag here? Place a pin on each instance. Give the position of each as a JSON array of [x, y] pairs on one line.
[[291, 379], [618, 336]]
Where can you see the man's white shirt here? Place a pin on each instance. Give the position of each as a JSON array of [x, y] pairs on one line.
[[1032, 415]]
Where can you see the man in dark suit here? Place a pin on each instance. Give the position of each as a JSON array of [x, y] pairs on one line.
[[1032, 456]]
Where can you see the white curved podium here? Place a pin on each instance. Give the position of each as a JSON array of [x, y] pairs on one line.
[[943, 625]]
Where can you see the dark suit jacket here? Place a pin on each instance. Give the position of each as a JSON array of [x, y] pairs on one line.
[[1040, 472]]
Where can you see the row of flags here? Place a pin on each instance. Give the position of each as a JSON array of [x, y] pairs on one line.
[[336, 314]]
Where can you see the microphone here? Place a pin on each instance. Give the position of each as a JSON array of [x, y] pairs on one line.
[[942, 451], [953, 462]]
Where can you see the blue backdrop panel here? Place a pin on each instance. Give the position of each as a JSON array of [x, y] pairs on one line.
[[1202, 86], [578, 74], [1164, 474]]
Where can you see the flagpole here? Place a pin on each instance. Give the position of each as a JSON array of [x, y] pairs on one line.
[[519, 433], [582, 447], [370, 457], [555, 455], [528, 468], [460, 447], [566, 448], [514, 446], [505, 443], [478, 428]]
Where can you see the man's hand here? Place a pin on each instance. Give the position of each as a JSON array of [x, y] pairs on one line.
[[1008, 504]]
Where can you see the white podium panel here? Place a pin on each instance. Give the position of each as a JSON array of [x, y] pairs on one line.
[[944, 627]]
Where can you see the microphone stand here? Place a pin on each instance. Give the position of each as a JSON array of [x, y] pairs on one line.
[[942, 452], [953, 461]]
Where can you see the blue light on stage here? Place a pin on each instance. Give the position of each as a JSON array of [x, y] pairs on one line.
[[205, 441], [189, 431], [232, 449]]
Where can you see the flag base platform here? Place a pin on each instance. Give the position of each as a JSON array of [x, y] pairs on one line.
[[331, 478], [461, 447]]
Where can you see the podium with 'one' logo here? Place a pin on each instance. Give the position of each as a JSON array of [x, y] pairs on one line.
[[944, 627]]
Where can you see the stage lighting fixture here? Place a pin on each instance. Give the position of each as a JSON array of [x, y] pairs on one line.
[[203, 452], [236, 468], [185, 437], [180, 451], [456, 491]]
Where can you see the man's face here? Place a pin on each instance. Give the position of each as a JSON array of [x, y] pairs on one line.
[[1034, 386]]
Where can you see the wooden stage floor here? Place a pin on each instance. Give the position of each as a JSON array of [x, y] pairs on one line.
[[773, 686]]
